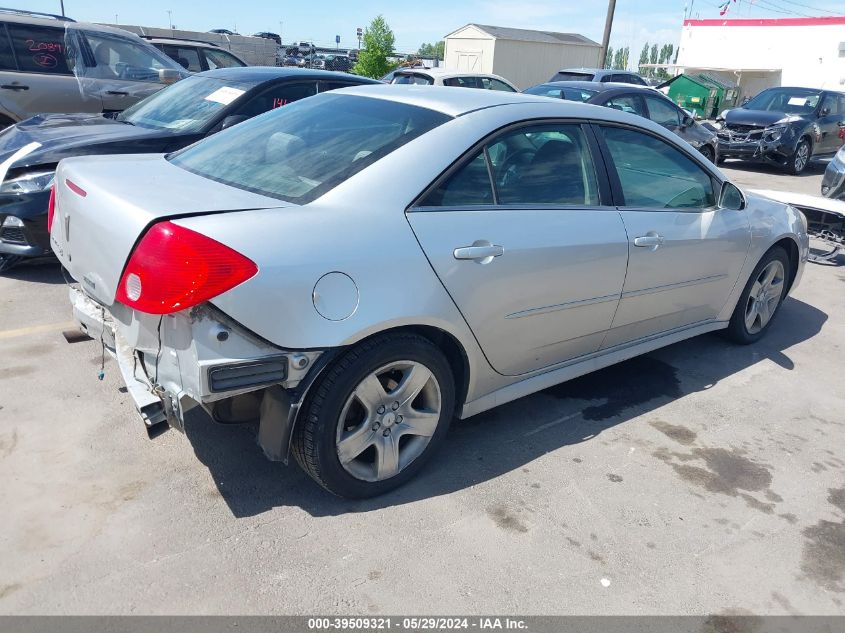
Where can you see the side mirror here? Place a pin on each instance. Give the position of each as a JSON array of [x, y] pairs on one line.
[[687, 121], [168, 76], [234, 119], [824, 112], [731, 197]]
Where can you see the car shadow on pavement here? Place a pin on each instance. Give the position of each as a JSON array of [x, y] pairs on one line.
[[496, 442], [39, 272]]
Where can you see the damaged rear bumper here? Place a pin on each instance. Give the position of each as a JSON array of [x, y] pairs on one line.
[[171, 364]]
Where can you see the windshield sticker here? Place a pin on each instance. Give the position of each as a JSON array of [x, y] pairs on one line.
[[225, 95], [798, 101]]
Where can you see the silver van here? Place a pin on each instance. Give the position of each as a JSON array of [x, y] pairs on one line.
[[50, 63]]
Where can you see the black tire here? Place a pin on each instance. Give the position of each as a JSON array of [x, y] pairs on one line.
[[797, 162], [738, 331], [708, 153], [720, 161], [7, 262], [314, 442]]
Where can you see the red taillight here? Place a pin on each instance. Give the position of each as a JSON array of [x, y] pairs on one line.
[[51, 208], [174, 268]]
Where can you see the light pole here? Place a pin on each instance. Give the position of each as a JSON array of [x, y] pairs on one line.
[[608, 26], [170, 18]]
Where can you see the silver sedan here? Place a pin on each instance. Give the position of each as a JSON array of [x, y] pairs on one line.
[[352, 271]]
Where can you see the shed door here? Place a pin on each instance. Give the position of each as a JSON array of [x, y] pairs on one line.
[[469, 61]]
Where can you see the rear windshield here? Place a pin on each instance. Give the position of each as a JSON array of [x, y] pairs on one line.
[[567, 76], [570, 94], [300, 152]]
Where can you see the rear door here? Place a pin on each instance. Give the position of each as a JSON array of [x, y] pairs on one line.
[[44, 80], [521, 234], [685, 254]]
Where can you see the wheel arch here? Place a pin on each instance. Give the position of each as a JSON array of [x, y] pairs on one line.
[[791, 247]]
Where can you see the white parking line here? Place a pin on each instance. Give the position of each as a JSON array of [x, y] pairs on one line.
[[37, 329]]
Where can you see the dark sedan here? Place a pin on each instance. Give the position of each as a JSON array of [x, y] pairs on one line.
[[645, 102], [177, 116]]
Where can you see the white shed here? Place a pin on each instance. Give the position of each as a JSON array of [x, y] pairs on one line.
[[522, 56]]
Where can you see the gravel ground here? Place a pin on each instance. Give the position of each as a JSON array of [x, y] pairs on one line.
[[703, 478]]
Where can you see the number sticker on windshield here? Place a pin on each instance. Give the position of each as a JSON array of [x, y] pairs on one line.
[[798, 101], [225, 95]]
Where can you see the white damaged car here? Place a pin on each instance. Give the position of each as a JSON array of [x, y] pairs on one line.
[[354, 270]]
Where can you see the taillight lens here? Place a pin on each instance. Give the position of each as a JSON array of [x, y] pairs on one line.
[[174, 268], [51, 208]]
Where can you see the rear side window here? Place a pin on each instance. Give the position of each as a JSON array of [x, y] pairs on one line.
[[39, 49], [662, 112], [276, 97], [7, 59], [569, 76], [626, 103], [418, 80], [488, 83], [536, 165], [221, 59], [656, 175], [302, 151], [187, 58], [463, 82]]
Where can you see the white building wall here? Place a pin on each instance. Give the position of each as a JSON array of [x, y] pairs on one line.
[[801, 51], [526, 64], [469, 50]]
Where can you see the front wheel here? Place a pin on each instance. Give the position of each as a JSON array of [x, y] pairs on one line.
[[763, 295], [708, 152], [800, 157], [376, 416]]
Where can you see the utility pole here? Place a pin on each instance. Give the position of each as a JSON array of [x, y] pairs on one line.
[[170, 18], [62, 2], [608, 26]]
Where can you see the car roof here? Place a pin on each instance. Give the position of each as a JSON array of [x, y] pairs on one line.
[[458, 101], [602, 86], [594, 71], [266, 73], [446, 74], [35, 19], [176, 40]]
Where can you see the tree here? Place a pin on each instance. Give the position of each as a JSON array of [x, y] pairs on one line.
[[378, 46], [617, 58], [626, 53], [652, 58], [643, 58], [609, 58], [433, 51]]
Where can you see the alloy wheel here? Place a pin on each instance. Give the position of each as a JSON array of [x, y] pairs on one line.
[[388, 420], [764, 297], [802, 155]]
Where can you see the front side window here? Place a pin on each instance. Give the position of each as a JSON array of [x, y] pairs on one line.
[[40, 49], [656, 175], [122, 58], [663, 113], [302, 151], [537, 165], [834, 104], [221, 59], [186, 106]]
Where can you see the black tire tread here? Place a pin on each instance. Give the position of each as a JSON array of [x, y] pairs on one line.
[[304, 444]]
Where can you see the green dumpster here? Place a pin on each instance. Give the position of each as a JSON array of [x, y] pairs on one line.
[[703, 95]]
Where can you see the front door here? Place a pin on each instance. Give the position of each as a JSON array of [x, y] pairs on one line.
[[520, 238], [831, 123], [685, 254]]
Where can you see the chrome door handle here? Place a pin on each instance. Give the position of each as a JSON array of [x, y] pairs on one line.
[[482, 252], [649, 241], [121, 93]]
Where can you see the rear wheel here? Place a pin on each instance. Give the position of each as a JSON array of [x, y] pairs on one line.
[[376, 416], [760, 301], [800, 157]]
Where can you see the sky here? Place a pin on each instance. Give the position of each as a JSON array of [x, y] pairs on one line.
[[413, 23]]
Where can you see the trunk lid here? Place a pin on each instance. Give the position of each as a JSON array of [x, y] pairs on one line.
[[104, 204]]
